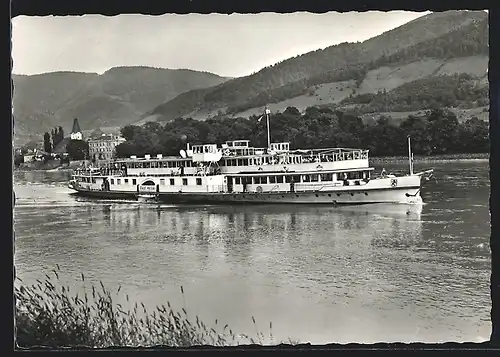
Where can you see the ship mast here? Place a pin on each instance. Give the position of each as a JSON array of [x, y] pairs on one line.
[[410, 156], [267, 112]]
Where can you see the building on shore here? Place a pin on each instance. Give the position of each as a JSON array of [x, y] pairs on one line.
[[102, 145]]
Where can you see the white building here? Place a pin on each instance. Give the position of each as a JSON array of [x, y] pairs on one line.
[[76, 133]]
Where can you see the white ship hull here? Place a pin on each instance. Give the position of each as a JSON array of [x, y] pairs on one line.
[[377, 191]]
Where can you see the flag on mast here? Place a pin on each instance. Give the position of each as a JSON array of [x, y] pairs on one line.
[[266, 112]]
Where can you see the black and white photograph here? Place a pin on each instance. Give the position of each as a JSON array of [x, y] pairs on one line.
[[235, 179]]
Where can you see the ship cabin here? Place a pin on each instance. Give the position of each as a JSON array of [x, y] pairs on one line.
[[262, 182], [281, 158], [237, 157], [204, 153]]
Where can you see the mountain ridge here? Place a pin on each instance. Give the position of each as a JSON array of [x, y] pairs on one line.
[[116, 97], [136, 94], [346, 57]]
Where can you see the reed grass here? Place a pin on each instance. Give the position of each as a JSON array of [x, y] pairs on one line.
[[48, 314]]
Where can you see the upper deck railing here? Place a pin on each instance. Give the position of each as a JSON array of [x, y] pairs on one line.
[[237, 153]]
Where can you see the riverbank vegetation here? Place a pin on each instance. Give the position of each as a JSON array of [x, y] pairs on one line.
[[49, 314], [436, 132]]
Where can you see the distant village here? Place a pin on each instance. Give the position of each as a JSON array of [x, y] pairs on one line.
[[90, 145]]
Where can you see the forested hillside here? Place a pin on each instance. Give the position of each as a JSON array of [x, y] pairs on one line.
[[441, 36], [117, 97]]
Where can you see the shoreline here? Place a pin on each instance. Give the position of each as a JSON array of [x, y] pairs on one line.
[[47, 167]]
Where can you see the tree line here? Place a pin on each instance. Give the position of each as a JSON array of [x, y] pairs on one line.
[[436, 132], [52, 139], [76, 149]]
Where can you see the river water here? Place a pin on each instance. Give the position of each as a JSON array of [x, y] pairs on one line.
[[319, 274]]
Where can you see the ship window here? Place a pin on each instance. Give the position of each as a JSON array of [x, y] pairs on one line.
[[172, 182], [272, 179], [93, 180], [326, 177], [162, 182], [112, 181], [314, 178], [245, 162], [134, 182], [279, 179], [184, 181], [240, 162], [259, 179], [198, 181], [118, 181], [355, 175], [237, 180], [125, 180], [306, 178], [288, 178]]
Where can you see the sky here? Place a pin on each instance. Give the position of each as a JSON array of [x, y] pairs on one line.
[[228, 45]]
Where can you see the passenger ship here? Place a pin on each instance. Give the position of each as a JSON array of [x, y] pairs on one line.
[[239, 173]]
